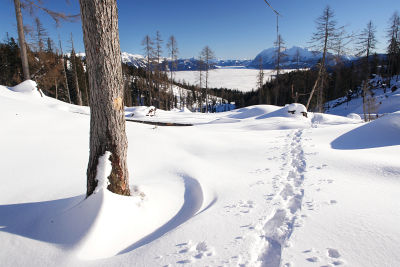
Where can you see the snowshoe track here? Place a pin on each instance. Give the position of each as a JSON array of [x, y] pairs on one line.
[[276, 230]]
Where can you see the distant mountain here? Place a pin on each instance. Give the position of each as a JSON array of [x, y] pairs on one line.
[[305, 59], [233, 62], [296, 57], [182, 63], [192, 63], [133, 60]]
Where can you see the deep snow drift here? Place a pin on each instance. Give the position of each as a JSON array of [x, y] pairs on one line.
[[258, 186]]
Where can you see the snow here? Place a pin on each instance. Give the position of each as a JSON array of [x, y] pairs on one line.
[[257, 186], [27, 87], [133, 59], [386, 100], [243, 80], [103, 171]]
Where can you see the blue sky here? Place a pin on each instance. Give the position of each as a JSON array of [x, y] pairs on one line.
[[232, 28]]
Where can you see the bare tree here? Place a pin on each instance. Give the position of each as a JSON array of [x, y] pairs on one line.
[[393, 50], [200, 79], [297, 57], [75, 74], [367, 42], [322, 40], [64, 71], [148, 47], [158, 69], [21, 40], [40, 34], [208, 56], [260, 80], [279, 53], [107, 121], [172, 47]]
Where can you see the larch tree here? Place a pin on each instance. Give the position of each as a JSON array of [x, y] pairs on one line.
[[107, 121], [322, 41], [297, 56], [260, 80], [40, 35], [366, 44], [158, 69], [200, 79], [208, 56], [279, 55], [148, 47], [78, 93], [64, 72], [393, 49], [21, 40], [172, 47], [340, 49]]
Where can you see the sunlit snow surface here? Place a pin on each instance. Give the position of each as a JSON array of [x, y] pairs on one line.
[[257, 186]]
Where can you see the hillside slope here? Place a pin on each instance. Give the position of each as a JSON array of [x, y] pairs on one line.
[[257, 186]]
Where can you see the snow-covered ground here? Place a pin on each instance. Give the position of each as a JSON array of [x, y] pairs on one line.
[[386, 100], [240, 79], [257, 186]]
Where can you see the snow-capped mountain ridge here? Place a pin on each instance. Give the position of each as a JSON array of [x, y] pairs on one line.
[[294, 57]]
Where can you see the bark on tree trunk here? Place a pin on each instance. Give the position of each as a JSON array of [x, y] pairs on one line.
[[65, 73], [77, 89], [55, 83], [107, 122], [21, 40]]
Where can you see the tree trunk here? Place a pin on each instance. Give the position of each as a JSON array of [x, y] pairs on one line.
[[65, 72], [107, 121], [76, 81], [21, 39], [55, 83]]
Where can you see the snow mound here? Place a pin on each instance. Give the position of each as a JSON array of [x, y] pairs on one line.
[[267, 117], [252, 111], [382, 132], [328, 119], [353, 116], [26, 87], [294, 110]]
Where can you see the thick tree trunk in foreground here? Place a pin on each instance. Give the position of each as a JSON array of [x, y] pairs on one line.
[[107, 122], [21, 39]]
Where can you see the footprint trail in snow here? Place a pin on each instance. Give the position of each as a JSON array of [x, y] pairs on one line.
[[276, 230]]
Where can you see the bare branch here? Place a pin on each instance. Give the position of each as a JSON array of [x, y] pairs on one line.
[[30, 5], [276, 12]]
